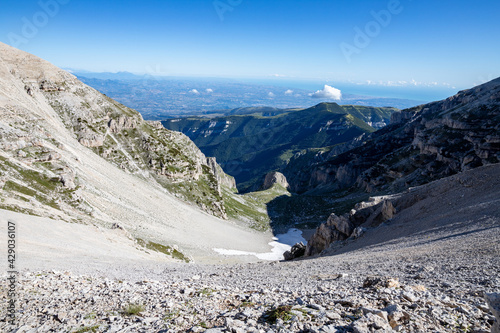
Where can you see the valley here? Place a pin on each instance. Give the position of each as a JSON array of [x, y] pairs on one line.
[[126, 224]]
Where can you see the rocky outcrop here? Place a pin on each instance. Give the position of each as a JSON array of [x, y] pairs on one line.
[[274, 178], [421, 144], [90, 139], [222, 178], [47, 85], [337, 228], [121, 123], [297, 251], [67, 178]]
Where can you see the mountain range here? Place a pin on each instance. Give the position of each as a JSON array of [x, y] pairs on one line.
[[250, 142], [70, 153]]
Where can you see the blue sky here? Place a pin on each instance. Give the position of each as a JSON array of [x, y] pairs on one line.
[[443, 43]]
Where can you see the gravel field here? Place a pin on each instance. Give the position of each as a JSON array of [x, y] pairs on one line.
[[435, 282]]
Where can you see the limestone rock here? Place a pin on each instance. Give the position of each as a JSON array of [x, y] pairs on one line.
[[121, 123], [222, 178], [90, 139], [67, 178], [370, 323], [275, 178], [336, 228]]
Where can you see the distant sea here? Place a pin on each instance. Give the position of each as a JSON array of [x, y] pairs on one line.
[[419, 93]]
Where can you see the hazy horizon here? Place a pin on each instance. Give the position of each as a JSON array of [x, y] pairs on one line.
[[398, 44]]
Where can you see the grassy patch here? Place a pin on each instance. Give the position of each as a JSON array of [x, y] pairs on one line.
[[246, 305], [132, 309], [169, 316], [253, 207], [91, 315], [83, 329], [283, 312], [205, 292], [168, 250]]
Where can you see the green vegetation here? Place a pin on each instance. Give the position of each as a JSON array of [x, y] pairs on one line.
[[29, 184], [253, 207], [246, 305], [171, 315], [91, 315], [84, 329], [169, 251], [132, 309], [205, 292], [283, 312], [250, 145]]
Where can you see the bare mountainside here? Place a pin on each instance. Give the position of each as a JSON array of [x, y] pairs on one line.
[[69, 153], [427, 270]]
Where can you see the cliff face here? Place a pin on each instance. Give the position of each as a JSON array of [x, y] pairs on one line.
[[420, 145], [36, 92], [462, 200]]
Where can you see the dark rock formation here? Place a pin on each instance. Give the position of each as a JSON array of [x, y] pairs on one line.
[[297, 251]]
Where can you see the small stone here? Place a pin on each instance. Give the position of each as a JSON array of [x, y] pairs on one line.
[[381, 314], [214, 330], [329, 329], [333, 315], [409, 296]]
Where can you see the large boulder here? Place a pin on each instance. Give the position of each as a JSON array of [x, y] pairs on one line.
[[297, 251], [275, 178], [336, 228]]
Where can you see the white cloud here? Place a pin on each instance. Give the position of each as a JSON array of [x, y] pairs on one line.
[[289, 92], [194, 91], [209, 90], [271, 95], [328, 92]]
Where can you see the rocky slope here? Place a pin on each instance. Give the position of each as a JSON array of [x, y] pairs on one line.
[[469, 197], [426, 270], [250, 145], [68, 152], [113, 131], [421, 144]]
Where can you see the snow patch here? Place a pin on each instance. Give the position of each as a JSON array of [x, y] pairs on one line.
[[280, 244]]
